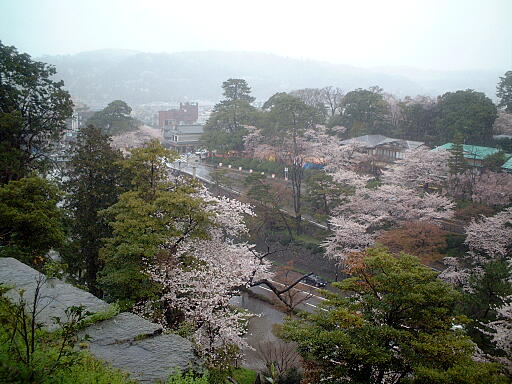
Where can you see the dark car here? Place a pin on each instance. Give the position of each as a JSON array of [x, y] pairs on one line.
[[315, 281]]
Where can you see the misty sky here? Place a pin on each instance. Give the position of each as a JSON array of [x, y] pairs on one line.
[[430, 34]]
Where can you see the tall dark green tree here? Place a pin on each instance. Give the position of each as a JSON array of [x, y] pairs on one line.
[[224, 129], [419, 119], [33, 113], [114, 118], [457, 162], [237, 89], [489, 290], [468, 113], [393, 322], [288, 118], [30, 221], [364, 112], [504, 92], [148, 222], [95, 181], [323, 194], [257, 188]]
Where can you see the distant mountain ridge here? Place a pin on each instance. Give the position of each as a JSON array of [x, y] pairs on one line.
[[98, 77]]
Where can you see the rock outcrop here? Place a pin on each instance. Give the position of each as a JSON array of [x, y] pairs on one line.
[[126, 341]]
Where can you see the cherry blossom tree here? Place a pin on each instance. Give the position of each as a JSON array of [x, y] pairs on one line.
[[420, 168], [490, 238], [348, 236], [392, 204], [370, 210], [494, 189], [344, 163], [485, 275], [204, 274], [501, 331], [402, 197]]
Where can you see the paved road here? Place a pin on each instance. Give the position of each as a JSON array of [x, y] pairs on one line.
[[202, 172], [305, 293]]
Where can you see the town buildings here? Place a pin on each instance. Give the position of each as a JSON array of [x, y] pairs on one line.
[[475, 154], [179, 127], [187, 113], [384, 148], [183, 138]]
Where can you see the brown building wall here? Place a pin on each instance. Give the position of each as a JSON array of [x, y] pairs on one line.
[[187, 113]]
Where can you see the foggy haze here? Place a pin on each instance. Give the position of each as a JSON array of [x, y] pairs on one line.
[[433, 34]]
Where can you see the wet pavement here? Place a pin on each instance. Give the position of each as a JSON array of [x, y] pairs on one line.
[[260, 327]]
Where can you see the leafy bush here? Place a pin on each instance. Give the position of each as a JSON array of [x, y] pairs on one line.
[[29, 354], [455, 245], [244, 376], [188, 378], [246, 164]]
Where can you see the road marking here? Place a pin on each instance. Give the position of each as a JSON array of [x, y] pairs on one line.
[[309, 293]]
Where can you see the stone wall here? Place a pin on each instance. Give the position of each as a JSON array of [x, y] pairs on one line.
[[126, 341]]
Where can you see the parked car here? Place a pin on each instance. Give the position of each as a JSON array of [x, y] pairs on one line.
[[315, 281]]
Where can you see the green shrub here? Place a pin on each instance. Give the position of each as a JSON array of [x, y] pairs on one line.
[[246, 164], [244, 376], [31, 355], [188, 378]]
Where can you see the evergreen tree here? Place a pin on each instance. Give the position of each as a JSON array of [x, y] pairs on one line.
[[30, 221], [457, 162], [392, 323], [288, 119], [33, 113], [237, 89], [504, 92], [489, 290], [148, 222], [323, 194], [468, 113], [364, 112], [224, 129], [95, 180], [114, 118]]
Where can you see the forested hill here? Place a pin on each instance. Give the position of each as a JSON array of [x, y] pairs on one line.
[[98, 77]]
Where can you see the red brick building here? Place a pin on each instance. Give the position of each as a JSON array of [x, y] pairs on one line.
[[188, 113]]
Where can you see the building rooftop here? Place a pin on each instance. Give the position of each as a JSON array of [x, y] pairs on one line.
[[372, 141], [508, 165], [477, 152], [186, 129], [471, 151]]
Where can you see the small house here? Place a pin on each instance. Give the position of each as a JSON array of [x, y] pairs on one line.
[[384, 148]]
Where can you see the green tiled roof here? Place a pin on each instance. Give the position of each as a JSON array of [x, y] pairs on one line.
[[472, 151], [477, 152], [508, 165]]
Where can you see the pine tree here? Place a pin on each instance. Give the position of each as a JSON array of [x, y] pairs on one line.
[[392, 323], [457, 163], [95, 180]]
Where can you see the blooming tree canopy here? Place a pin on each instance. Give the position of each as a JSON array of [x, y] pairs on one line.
[[205, 274], [398, 199], [420, 168], [490, 237]]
